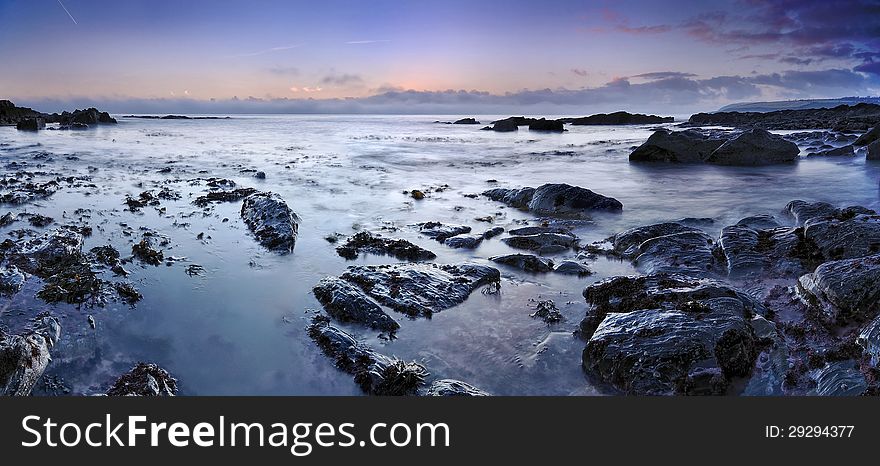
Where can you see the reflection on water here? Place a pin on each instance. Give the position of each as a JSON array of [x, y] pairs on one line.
[[240, 327]]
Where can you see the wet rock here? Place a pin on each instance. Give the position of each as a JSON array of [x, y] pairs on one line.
[[234, 195], [689, 146], [11, 280], [844, 151], [619, 118], [464, 241], [759, 222], [260, 175], [543, 243], [440, 232], [564, 200], [691, 253], [857, 117], [802, 211], [572, 268], [347, 303], [88, 116], [538, 230], [844, 291], [543, 124], [869, 340], [757, 252], [449, 387], [627, 243], [873, 151], [11, 115], [526, 262], [755, 147], [271, 221], [109, 256], [840, 378], [144, 380], [27, 192], [492, 232], [376, 374], [546, 310], [503, 126], [31, 124], [365, 242], [145, 252], [516, 198], [869, 137], [23, 358], [417, 195], [850, 233], [466, 121], [40, 221], [420, 289], [54, 246]]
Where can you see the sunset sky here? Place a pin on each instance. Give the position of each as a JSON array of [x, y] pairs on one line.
[[411, 56]]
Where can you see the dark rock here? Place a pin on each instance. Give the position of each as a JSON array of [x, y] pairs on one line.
[[12, 115], [844, 291], [869, 340], [869, 137], [542, 124], [572, 268], [840, 378], [691, 253], [23, 358], [755, 147], [31, 124], [859, 117], [373, 244], [524, 231], [40, 221], [88, 116], [347, 303], [844, 151], [27, 192], [11, 280], [271, 221], [449, 387], [873, 151], [619, 118], [849, 233], [492, 232], [688, 146], [802, 211], [144, 380], [504, 126], [376, 374], [759, 222], [466, 121], [526, 262], [420, 289], [440, 232], [464, 241], [260, 175], [546, 310], [564, 200], [544, 243], [757, 252], [234, 195], [627, 243], [516, 198]]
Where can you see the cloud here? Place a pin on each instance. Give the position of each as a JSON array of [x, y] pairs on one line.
[[655, 75], [284, 71], [343, 79], [580, 72], [265, 51]]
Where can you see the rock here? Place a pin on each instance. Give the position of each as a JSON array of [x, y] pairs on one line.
[[504, 126], [233, 195], [464, 241], [376, 374], [417, 195], [31, 124], [849, 233], [542, 124], [365, 242], [260, 175], [619, 118], [347, 303], [271, 221], [759, 222], [572, 268], [466, 121], [844, 291], [492, 232], [869, 340], [873, 151], [12, 115], [54, 246], [757, 252], [688, 146], [696, 350], [449, 387], [516, 198], [755, 147], [802, 211], [657, 291], [857, 117], [27, 192], [440, 232], [627, 243], [844, 151], [869, 137], [420, 289], [543, 243], [525, 231], [841, 378], [23, 358], [692, 253], [562, 200], [11, 280], [88, 116], [526, 262], [144, 380], [546, 310]]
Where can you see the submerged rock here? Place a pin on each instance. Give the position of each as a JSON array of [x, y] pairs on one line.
[[564, 200], [449, 387], [543, 243], [23, 358], [365, 242], [844, 291], [420, 289], [841, 378], [11, 280], [526, 262], [144, 380], [271, 221], [689, 146], [347, 303], [755, 147], [440, 232], [569, 267]]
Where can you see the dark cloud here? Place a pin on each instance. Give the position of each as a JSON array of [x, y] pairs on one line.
[[663, 75], [580, 72], [344, 79], [792, 60]]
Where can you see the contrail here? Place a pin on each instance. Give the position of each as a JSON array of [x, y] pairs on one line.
[[68, 13]]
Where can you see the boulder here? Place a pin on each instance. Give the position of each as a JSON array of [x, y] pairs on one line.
[[144, 380], [420, 289], [492, 232], [844, 291], [756, 252], [449, 387], [31, 124], [843, 151], [563, 200], [871, 136], [526, 262], [24, 358], [627, 243], [441, 231], [873, 151], [802, 211], [271, 221], [365, 242], [464, 241], [543, 243], [619, 118], [691, 253], [840, 378], [348, 303], [569, 267], [543, 124], [466, 121], [755, 147], [516, 198], [689, 146], [850, 233]]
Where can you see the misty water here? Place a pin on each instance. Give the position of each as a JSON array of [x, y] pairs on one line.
[[240, 328]]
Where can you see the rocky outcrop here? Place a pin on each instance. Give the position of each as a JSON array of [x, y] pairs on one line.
[[665, 335], [12, 115], [420, 289], [869, 340], [844, 291], [466, 121], [857, 118], [449, 387], [752, 251], [88, 116], [542, 243], [24, 358], [542, 124], [843, 151], [464, 241], [366, 242], [441, 231], [347, 303], [144, 380], [271, 221], [754, 147], [870, 136], [873, 151], [627, 243], [563, 200], [516, 198], [849, 233], [688, 146], [619, 118], [31, 124], [503, 126], [527, 262]]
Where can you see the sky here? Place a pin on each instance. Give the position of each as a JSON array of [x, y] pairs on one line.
[[448, 56]]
